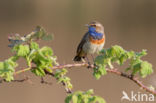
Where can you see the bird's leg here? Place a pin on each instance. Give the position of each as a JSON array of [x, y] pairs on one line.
[[89, 64], [96, 66], [93, 58]]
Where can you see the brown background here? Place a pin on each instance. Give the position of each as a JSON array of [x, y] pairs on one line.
[[129, 23]]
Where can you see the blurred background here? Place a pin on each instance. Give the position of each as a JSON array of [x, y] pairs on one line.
[[129, 23]]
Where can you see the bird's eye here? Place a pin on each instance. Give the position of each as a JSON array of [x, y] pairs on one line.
[[94, 25]]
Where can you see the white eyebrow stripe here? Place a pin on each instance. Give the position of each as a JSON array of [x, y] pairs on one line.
[[98, 25]]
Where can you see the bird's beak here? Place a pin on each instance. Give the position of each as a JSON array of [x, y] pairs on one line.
[[87, 25]]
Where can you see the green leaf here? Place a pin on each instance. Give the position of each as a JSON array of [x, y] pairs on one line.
[[90, 91], [60, 76], [109, 63], [99, 59], [143, 53], [69, 85], [68, 98], [122, 59], [49, 70], [117, 50], [99, 70], [146, 69], [39, 72], [46, 51], [64, 71], [34, 45], [127, 69], [135, 65], [97, 75], [40, 32], [14, 58], [117, 54], [136, 68], [66, 79], [102, 69], [130, 54], [47, 37], [74, 99], [22, 50], [84, 97], [99, 100], [42, 58], [7, 69]]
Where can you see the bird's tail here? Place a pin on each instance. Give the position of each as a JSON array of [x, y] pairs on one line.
[[78, 58]]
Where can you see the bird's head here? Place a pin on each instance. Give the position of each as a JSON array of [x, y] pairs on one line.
[[95, 27]]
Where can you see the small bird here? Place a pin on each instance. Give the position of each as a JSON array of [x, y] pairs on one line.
[[92, 42]]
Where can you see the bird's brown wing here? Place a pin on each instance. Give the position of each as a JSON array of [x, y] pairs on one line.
[[83, 41]]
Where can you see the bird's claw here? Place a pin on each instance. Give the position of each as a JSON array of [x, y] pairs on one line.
[[89, 65]]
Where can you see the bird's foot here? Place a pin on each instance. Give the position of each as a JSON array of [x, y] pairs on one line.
[[89, 65]]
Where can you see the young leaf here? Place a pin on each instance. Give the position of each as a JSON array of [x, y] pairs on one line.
[[142, 53], [83, 97], [117, 54], [7, 69], [68, 98], [146, 69], [34, 45], [47, 37], [39, 72], [74, 99], [97, 75], [22, 50]]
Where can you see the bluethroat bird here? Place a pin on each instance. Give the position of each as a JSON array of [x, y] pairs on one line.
[[92, 42]]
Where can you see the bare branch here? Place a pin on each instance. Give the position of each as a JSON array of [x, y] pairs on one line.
[[114, 71]]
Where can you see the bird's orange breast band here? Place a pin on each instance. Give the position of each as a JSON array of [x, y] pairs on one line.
[[97, 41]]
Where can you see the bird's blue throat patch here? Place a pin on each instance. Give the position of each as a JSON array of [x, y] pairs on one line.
[[94, 34]]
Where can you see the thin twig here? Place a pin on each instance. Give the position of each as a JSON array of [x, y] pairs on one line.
[[114, 71], [16, 80], [22, 70], [134, 79], [68, 90], [45, 82]]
